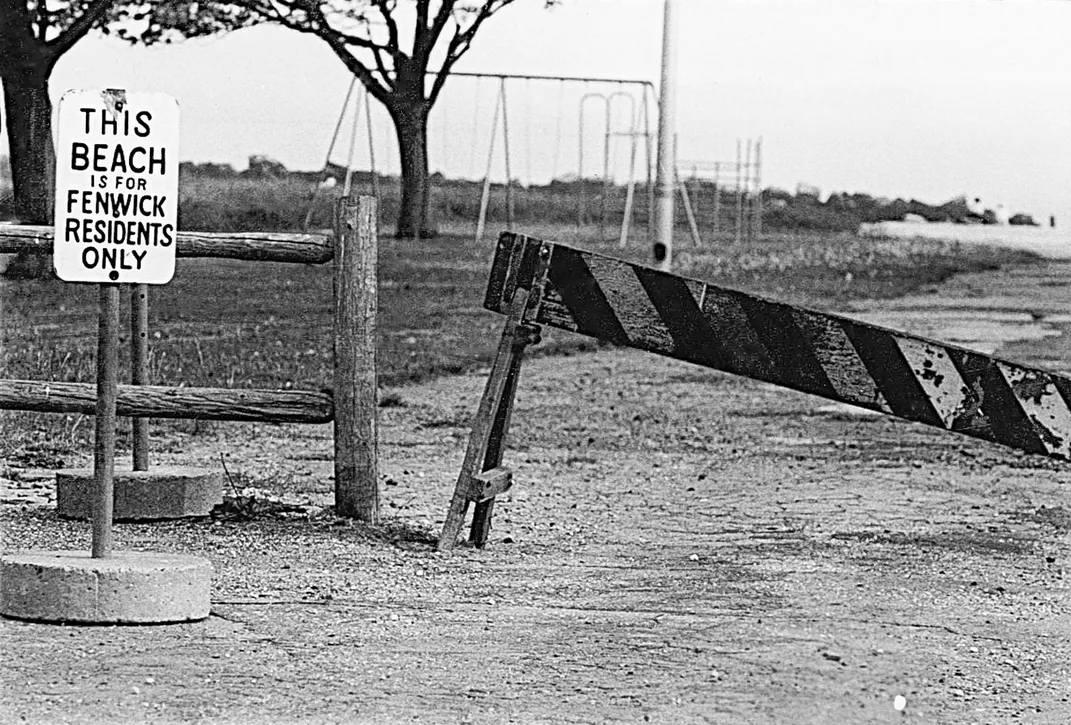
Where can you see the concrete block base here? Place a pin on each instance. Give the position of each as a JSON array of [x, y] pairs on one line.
[[164, 492], [126, 588]]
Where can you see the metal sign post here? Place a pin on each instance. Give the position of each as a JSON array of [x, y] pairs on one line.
[[116, 223], [104, 448]]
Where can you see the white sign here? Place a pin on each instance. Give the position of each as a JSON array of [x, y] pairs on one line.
[[116, 187]]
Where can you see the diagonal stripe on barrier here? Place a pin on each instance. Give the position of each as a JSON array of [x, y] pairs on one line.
[[691, 335], [941, 382], [581, 299], [1043, 405], [998, 415], [844, 368]]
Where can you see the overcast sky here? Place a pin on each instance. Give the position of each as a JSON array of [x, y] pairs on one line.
[[914, 98]]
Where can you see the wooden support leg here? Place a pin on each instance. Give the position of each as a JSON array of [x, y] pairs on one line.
[[496, 443], [482, 476]]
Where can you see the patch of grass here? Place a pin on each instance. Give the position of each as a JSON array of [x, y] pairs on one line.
[[826, 270]]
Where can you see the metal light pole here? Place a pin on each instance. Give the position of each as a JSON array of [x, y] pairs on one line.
[[664, 178]]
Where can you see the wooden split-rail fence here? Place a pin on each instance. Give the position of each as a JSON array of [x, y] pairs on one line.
[[351, 405], [535, 282]]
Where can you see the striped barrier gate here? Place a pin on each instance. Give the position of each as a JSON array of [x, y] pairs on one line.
[[544, 283]]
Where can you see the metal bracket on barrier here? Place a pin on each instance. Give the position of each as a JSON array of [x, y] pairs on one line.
[[520, 265], [485, 486]]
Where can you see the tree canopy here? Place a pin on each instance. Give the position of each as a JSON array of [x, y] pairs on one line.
[[402, 51], [376, 39], [34, 35]]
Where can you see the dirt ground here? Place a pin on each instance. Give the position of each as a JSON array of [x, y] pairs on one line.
[[679, 546]]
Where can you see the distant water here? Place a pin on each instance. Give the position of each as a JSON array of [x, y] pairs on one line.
[[1045, 241]]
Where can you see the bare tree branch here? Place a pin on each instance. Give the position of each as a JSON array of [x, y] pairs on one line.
[[422, 10], [76, 30], [386, 10], [461, 40], [306, 16], [489, 8], [427, 36], [381, 66], [448, 63], [387, 83], [382, 93], [446, 11], [42, 20]]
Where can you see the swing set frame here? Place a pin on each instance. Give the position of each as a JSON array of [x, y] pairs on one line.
[[637, 130], [639, 116]]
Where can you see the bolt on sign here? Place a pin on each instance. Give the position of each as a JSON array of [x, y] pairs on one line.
[[116, 187]]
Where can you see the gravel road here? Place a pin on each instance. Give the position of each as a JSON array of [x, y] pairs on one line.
[[679, 546]]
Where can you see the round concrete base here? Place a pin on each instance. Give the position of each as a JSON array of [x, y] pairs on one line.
[[126, 588], [165, 492]]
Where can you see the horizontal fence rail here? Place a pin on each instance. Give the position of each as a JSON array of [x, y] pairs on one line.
[[157, 401], [248, 246]]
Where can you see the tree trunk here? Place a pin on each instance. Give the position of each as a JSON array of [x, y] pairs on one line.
[[411, 127], [33, 157], [28, 111]]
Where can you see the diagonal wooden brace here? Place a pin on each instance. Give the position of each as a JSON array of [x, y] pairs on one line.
[[482, 476]]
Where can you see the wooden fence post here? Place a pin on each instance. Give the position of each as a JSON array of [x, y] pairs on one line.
[[355, 388]]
